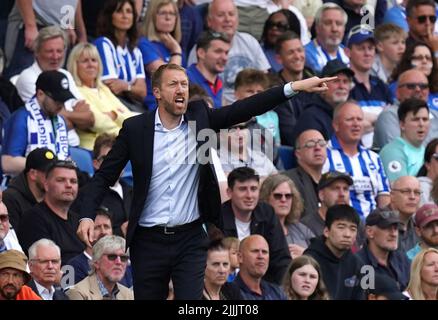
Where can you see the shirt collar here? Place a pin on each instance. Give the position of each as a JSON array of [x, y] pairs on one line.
[[103, 290], [43, 290], [159, 124]]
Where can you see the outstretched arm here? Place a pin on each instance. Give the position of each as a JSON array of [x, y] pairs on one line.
[[313, 84]]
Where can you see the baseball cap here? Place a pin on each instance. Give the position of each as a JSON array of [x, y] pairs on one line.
[[386, 286], [16, 260], [360, 33], [333, 67], [55, 85], [382, 218], [39, 159], [425, 214], [329, 177]]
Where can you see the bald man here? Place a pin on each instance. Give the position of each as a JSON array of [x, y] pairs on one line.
[[405, 198], [254, 262], [387, 126]]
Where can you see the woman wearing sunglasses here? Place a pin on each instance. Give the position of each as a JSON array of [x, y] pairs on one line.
[[281, 193]]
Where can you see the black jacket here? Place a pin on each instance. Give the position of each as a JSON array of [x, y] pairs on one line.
[[135, 143], [341, 275], [265, 223], [57, 295], [317, 115], [306, 187], [18, 198]]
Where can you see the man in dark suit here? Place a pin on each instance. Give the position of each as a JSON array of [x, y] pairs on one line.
[[45, 268], [175, 190]]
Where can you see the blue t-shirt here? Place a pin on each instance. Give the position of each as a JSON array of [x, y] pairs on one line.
[[196, 77]]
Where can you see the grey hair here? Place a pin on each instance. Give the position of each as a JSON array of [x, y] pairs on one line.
[[329, 6], [49, 33], [107, 243], [42, 242]]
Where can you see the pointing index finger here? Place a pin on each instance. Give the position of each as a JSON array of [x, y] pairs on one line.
[[328, 79]]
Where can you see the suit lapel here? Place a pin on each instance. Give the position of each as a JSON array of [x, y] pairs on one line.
[[148, 138]]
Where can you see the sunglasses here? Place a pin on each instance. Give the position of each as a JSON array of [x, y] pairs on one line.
[[280, 26], [413, 86], [422, 19], [313, 143], [4, 218], [279, 196], [112, 257]]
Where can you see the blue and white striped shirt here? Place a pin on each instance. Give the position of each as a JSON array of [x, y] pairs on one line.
[[119, 63], [366, 170]]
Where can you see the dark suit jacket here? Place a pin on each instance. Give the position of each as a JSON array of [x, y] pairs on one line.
[[135, 142], [57, 295]]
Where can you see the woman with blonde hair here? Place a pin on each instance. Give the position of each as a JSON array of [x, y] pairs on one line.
[[303, 280], [108, 112], [160, 40], [423, 284], [281, 193]]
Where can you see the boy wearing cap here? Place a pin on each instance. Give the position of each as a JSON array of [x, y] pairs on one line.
[[340, 267], [380, 250], [13, 276], [37, 124], [27, 189], [371, 93], [426, 227]]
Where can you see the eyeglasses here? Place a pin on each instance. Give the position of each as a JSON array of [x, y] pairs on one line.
[[4, 218], [422, 19], [47, 261], [166, 13], [413, 85], [112, 257], [313, 143], [421, 57], [280, 26], [407, 192], [101, 158], [279, 196]]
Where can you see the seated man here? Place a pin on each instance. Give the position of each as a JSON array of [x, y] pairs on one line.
[[13, 276], [37, 124], [108, 268], [254, 262]]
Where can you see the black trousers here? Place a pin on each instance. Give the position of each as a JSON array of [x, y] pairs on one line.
[[159, 254]]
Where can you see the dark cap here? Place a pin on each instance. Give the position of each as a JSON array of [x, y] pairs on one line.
[[382, 218], [360, 33], [334, 67], [387, 287], [425, 214], [54, 84], [329, 177], [39, 159]]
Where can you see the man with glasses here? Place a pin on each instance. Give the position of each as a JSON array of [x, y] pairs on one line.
[[52, 218], [330, 21], [421, 18], [405, 198], [243, 215], [411, 84], [108, 266], [380, 250], [212, 53], [8, 237], [45, 269], [333, 188], [311, 153], [404, 156]]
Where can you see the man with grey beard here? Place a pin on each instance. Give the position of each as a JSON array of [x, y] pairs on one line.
[[318, 114]]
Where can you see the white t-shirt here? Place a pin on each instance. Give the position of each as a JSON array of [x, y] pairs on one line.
[[243, 230]]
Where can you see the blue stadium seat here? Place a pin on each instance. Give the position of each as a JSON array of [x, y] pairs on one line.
[[287, 157], [83, 159]]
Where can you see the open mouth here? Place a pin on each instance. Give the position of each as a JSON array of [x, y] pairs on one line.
[[180, 100]]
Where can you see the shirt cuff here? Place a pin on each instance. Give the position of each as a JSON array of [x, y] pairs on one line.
[[288, 91]]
